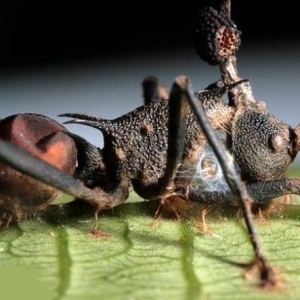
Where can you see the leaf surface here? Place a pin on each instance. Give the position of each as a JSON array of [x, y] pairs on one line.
[[145, 258]]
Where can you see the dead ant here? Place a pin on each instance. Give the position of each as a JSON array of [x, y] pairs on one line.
[[156, 147]]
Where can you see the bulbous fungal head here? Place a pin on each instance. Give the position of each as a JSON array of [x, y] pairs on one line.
[[44, 138], [262, 146], [215, 36]]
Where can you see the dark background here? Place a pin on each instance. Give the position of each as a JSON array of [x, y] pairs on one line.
[[49, 32], [90, 57]]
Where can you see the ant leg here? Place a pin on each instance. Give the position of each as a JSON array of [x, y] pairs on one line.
[[26, 163], [204, 211], [153, 90], [109, 199], [178, 111], [179, 108], [262, 193], [238, 189]]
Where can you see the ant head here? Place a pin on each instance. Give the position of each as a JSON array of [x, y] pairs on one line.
[[262, 146]]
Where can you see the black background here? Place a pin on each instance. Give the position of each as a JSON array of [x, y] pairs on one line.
[[37, 33]]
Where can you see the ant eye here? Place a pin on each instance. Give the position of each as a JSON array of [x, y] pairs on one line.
[[276, 142]]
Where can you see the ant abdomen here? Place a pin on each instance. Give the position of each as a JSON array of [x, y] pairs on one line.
[[43, 137]]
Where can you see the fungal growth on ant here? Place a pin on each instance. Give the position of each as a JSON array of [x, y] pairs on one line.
[[215, 36]]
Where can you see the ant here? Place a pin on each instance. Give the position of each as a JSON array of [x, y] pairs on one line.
[[156, 147]]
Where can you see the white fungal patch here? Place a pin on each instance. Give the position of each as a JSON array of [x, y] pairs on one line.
[[209, 174]]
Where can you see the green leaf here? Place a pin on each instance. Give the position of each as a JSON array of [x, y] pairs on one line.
[[54, 256]]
